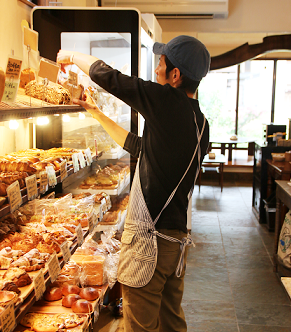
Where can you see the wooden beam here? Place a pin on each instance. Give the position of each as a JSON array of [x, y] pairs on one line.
[[247, 52]]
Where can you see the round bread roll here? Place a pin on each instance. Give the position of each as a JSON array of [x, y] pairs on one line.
[[70, 289], [53, 294], [70, 299], [82, 307], [89, 293]]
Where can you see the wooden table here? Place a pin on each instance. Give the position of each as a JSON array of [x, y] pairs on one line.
[[277, 170], [215, 164], [231, 144], [283, 203]]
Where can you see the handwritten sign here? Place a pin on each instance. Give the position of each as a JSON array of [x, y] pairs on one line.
[[43, 186], [52, 179], [81, 159], [53, 267], [49, 70], [75, 162], [66, 251], [31, 186], [88, 155], [13, 69], [80, 236], [39, 285], [14, 196], [73, 78], [7, 319], [63, 170], [30, 38], [10, 92]]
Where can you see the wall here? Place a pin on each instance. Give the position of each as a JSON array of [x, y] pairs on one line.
[[248, 21]]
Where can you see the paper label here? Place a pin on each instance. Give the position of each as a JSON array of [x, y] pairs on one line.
[[66, 251], [91, 224], [81, 159], [63, 170], [73, 78], [53, 267], [5, 262], [39, 285], [30, 38], [96, 311], [80, 237], [7, 319], [100, 212], [88, 155], [49, 70], [52, 179], [43, 187], [13, 69], [31, 186], [14, 196], [75, 162], [10, 92]]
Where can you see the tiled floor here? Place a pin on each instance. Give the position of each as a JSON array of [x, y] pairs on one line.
[[229, 285]]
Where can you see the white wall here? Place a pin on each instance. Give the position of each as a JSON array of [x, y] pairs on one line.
[[248, 21]]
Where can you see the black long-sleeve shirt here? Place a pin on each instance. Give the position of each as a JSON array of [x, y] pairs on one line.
[[168, 142]]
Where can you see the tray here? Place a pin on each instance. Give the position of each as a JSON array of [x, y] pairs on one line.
[[110, 191]]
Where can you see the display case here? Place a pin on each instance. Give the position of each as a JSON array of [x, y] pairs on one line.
[[260, 177]]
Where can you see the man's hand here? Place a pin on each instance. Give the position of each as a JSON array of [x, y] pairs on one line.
[[64, 58]]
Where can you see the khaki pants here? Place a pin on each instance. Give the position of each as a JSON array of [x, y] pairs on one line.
[[156, 307]]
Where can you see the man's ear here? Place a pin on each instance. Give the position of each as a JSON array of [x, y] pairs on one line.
[[176, 75]]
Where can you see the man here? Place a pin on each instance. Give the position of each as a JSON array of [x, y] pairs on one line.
[[175, 139]]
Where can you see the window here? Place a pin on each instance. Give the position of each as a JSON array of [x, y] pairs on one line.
[[283, 93], [217, 98], [255, 97]]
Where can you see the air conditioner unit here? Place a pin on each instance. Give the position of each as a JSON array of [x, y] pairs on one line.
[[203, 9]]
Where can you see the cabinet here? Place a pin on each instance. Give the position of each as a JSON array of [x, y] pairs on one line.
[[260, 177]]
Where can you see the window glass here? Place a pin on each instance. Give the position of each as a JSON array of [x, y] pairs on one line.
[[255, 97], [283, 93], [217, 99]]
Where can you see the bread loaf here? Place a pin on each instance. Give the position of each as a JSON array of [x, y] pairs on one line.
[[2, 82], [19, 166], [82, 306], [53, 93], [92, 267], [53, 294], [26, 76], [70, 299], [89, 293], [70, 289]]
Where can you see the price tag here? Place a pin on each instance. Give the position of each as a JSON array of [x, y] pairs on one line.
[[108, 202], [31, 187], [49, 70], [52, 179], [14, 196], [5, 262], [81, 159], [54, 267], [80, 237], [63, 170], [96, 311], [73, 78], [30, 38], [75, 162], [10, 92], [13, 69], [39, 286], [88, 155], [7, 319], [66, 251], [104, 205], [43, 187], [91, 224], [100, 212]]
